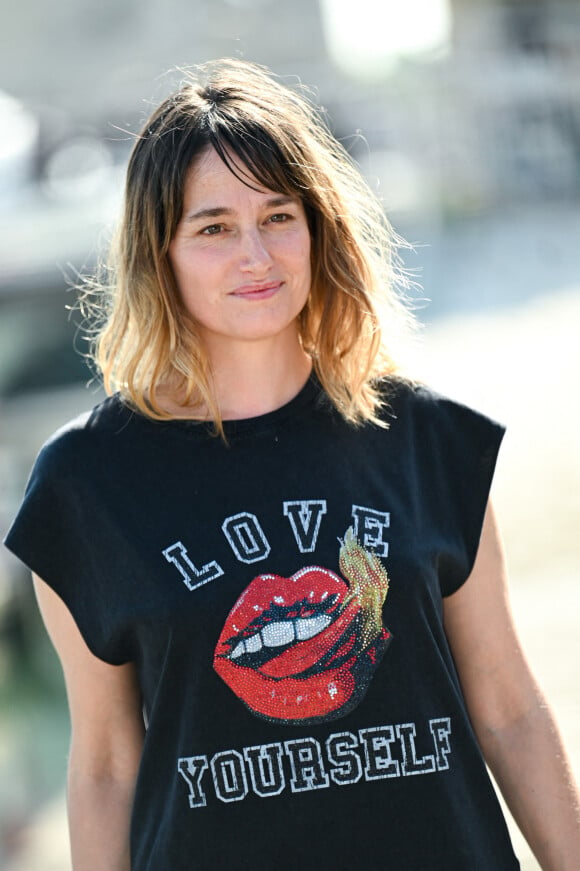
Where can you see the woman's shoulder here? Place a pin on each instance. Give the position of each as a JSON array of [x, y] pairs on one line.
[[402, 389], [400, 395], [407, 399], [83, 434]]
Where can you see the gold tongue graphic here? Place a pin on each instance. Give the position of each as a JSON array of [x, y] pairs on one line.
[[368, 582]]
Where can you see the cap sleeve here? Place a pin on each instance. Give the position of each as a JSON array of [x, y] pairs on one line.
[[457, 450], [54, 535]]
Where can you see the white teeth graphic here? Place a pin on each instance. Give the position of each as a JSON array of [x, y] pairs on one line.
[[308, 627], [282, 632], [277, 634], [253, 644]]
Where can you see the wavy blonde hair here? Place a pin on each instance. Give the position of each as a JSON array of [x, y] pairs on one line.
[[355, 313]]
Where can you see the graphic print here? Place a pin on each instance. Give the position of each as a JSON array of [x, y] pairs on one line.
[[304, 649]]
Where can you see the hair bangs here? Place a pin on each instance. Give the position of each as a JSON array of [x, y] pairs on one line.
[[252, 154]]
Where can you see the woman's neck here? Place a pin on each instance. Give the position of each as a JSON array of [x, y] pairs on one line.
[[256, 381], [249, 379]]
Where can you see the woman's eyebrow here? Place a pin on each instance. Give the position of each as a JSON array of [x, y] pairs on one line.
[[281, 200], [219, 211], [215, 212]]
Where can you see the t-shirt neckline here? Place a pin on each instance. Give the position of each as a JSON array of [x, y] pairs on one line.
[[305, 396]]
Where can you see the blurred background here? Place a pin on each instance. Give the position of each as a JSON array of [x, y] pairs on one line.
[[464, 115]]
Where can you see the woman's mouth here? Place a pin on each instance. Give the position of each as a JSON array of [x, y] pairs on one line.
[[257, 291]]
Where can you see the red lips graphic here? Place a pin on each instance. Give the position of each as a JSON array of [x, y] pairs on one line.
[[304, 649]]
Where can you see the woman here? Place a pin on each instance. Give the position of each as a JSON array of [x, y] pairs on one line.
[[267, 563]]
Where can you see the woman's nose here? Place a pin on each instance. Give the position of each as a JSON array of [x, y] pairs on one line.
[[254, 252]]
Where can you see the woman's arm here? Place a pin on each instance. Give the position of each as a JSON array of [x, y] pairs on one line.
[[512, 720], [106, 743]]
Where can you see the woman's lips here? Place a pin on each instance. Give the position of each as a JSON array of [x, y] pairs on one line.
[[257, 291], [291, 647]]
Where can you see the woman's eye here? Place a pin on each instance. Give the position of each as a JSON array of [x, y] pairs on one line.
[[212, 230], [279, 218]]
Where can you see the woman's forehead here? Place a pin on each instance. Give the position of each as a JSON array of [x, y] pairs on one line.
[[211, 172]]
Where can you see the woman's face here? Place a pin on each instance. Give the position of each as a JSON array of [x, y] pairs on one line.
[[240, 257]]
